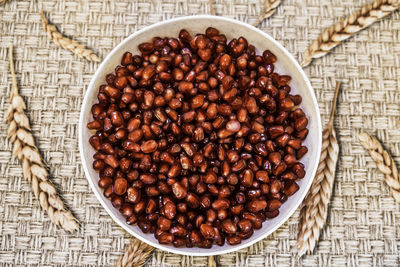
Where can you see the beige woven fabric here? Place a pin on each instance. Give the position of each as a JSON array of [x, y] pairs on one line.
[[363, 223]]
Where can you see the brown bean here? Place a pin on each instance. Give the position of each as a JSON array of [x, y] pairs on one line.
[[163, 223], [275, 131], [282, 140], [251, 105], [301, 152], [127, 210], [149, 146], [295, 143], [273, 204], [262, 176], [290, 188], [238, 166], [116, 118], [134, 195], [146, 48], [166, 238], [179, 191], [169, 210], [228, 226], [275, 157], [221, 203], [112, 92], [105, 182], [233, 126], [256, 205], [286, 104], [174, 171], [207, 231], [148, 178], [247, 178], [245, 225], [210, 177], [300, 123], [112, 161], [233, 240], [298, 169], [120, 185]]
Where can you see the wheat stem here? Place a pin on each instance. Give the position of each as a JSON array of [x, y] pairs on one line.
[[135, 255], [346, 28], [212, 10], [315, 207], [384, 162], [211, 262], [33, 167], [66, 43], [269, 9]]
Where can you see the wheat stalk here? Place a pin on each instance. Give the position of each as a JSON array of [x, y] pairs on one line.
[[315, 207], [269, 9], [347, 27], [66, 43], [384, 162], [212, 10], [135, 255], [211, 262], [19, 133]]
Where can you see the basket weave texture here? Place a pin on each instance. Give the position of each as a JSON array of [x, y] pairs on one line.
[[363, 222]]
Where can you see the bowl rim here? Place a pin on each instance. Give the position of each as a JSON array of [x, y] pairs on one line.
[[123, 224]]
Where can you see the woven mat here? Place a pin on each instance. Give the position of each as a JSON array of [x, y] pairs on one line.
[[363, 227]]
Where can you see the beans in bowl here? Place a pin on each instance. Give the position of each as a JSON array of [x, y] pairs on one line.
[[197, 139]]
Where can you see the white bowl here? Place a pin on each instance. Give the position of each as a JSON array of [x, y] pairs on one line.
[[285, 64]]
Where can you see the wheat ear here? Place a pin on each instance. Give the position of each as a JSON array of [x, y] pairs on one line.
[[347, 27], [269, 9], [19, 133], [315, 207], [212, 10], [135, 255], [384, 162], [66, 43], [3, 1]]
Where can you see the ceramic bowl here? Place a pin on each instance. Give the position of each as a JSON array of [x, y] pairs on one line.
[[286, 64]]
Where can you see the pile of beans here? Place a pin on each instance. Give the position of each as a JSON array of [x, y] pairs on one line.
[[197, 139]]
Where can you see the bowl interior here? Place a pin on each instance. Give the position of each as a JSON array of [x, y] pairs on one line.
[[285, 64]]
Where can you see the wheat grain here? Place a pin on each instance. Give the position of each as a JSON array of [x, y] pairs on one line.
[[347, 27], [384, 162], [66, 43], [315, 207], [269, 9], [135, 255], [33, 167], [212, 10]]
